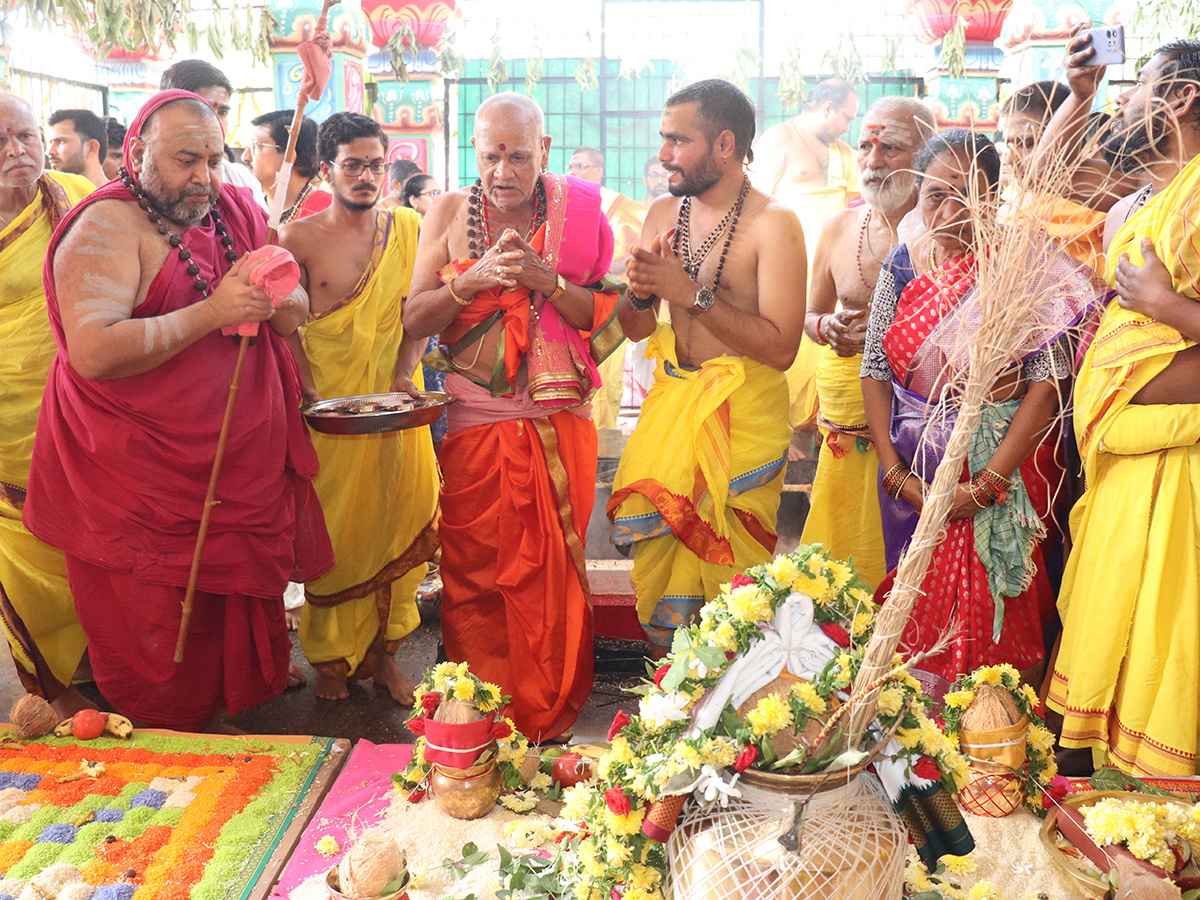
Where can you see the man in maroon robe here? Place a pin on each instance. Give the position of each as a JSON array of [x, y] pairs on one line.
[[140, 280]]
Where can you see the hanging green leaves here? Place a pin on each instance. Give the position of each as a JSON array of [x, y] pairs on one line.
[[792, 89], [450, 63], [844, 60], [497, 72], [402, 37], [586, 76], [954, 49], [535, 65], [745, 66]]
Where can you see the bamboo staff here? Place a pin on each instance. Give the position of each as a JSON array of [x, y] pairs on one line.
[[210, 500]]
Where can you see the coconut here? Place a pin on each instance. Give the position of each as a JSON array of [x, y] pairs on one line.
[[787, 740], [456, 712], [33, 717], [374, 862], [993, 707], [1135, 883]]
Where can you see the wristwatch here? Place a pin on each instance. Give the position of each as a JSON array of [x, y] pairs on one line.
[[704, 301], [558, 291]]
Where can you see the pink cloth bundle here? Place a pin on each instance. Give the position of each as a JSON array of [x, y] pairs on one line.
[[276, 272]]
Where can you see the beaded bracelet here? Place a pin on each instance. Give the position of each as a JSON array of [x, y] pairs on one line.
[[639, 304], [894, 479], [975, 496]]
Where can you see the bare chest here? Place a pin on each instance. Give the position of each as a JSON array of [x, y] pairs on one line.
[[335, 268], [855, 263]]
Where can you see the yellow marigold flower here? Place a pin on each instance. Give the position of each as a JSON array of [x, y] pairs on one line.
[[644, 878], [784, 570], [845, 673], [988, 675], [817, 587], [719, 753], [461, 670], [807, 694], [616, 853], [769, 716], [1010, 670], [862, 598], [1041, 739], [577, 801], [863, 623], [419, 752], [916, 878], [630, 824], [620, 751], [984, 890], [518, 803], [590, 858], [891, 699], [959, 865], [1029, 694], [464, 690], [959, 699], [842, 573], [725, 638], [908, 738], [749, 604], [328, 846], [688, 756], [541, 782]]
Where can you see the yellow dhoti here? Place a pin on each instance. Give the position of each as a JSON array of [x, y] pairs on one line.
[[36, 608], [379, 491], [844, 512], [696, 495], [1127, 678]]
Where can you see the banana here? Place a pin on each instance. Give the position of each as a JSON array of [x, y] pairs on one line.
[[118, 726], [65, 728]]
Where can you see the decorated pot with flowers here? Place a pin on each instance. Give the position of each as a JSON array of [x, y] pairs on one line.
[[467, 753], [994, 719]]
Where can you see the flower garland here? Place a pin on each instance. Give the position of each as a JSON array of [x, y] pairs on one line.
[[449, 680], [1040, 768], [653, 755], [922, 885], [1146, 829]]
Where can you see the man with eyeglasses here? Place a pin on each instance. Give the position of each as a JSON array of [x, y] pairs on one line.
[[805, 165], [210, 84], [379, 492], [265, 154]]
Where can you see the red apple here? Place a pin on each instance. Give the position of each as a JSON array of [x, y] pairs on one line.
[[571, 769], [88, 723]]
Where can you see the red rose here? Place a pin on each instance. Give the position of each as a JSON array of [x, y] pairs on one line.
[[741, 581], [746, 758], [1053, 793], [620, 720], [417, 725], [659, 674], [928, 769], [501, 730], [836, 633], [430, 702], [417, 796], [618, 803]]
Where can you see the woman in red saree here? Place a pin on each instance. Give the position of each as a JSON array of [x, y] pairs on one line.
[[987, 584]]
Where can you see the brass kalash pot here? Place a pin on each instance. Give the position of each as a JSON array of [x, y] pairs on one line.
[[466, 793]]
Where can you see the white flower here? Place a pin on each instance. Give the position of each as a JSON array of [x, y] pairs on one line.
[[658, 709], [699, 668], [714, 789]]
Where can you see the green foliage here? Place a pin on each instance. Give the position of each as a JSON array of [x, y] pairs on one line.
[[954, 49], [497, 72], [586, 76], [402, 37], [137, 24], [471, 857], [534, 65], [529, 876], [745, 65], [844, 60], [1165, 20], [793, 89], [450, 63]]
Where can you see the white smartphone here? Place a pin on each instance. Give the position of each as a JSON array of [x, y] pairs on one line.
[[1108, 45]]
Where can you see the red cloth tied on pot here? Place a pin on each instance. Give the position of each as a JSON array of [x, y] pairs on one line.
[[458, 745]]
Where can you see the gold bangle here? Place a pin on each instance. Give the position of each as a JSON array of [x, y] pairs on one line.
[[457, 299], [900, 486]]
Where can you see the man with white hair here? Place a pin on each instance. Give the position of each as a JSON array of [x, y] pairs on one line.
[[844, 515], [509, 273], [36, 610]]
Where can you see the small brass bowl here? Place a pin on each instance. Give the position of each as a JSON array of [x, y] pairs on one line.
[[466, 793], [334, 884]]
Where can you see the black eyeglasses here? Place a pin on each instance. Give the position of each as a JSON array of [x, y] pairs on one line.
[[354, 168]]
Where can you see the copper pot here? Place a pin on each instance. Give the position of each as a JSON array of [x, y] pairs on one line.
[[466, 793]]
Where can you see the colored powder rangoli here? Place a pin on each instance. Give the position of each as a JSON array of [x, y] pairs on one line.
[[153, 818]]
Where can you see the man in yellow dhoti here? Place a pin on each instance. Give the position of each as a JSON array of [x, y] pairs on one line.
[[36, 608], [378, 492], [1127, 679], [696, 495], [844, 515], [805, 165]]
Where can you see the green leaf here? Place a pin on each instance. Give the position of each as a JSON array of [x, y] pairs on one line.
[[1111, 779], [676, 674], [713, 657], [795, 758]]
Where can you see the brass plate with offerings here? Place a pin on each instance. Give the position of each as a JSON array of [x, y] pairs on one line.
[[375, 413]]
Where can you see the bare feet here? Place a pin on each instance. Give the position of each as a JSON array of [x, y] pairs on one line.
[[70, 702], [331, 688], [292, 617], [796, 449], [398, 684], [220, 724], [296, 676]]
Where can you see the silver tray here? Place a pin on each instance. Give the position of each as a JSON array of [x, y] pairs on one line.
[[354, 415]]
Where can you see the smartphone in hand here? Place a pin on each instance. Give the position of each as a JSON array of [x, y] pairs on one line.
[[1107, 43]]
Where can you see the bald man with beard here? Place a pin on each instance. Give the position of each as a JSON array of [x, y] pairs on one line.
[[142, 278], [36, 608], [844, 515]]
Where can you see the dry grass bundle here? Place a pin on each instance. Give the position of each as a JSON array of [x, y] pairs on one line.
[[992, 708], [456, 712], [1020, 278]]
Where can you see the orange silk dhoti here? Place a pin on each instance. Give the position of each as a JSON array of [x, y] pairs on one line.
[[515, 605]]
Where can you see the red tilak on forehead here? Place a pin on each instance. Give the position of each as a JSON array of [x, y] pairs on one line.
[[502, 147]]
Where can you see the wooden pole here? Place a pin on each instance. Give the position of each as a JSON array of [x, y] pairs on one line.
[[210, 498]]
